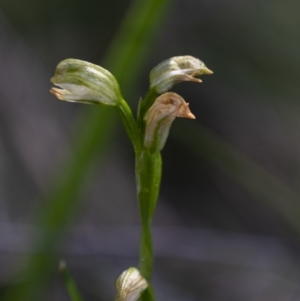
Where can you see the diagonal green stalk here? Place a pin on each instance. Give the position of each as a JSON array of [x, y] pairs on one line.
[[123, 59], [127, 51], [69, 282]]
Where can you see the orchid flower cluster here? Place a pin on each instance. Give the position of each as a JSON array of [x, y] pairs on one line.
[[80, 81]]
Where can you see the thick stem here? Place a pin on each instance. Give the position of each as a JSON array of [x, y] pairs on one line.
[[146, 251], [148, 173]]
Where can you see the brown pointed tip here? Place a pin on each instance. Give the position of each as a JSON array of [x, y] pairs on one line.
[[190, 115], [185, 112]]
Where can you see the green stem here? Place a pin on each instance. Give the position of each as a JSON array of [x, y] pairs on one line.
[[130, 125], [146, 251], [148, 173], [144, 106]]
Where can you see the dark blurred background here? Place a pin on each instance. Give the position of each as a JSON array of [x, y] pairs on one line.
[[227, 225]]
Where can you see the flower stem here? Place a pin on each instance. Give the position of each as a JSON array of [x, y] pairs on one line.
[[144, 106], [148, 173], [130, 125]]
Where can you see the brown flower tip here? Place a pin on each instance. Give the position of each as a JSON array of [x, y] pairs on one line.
[[168, 105], [160, 116], [184, 111]]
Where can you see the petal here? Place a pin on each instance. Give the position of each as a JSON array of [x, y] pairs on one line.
[[174, 70], [84, 82]]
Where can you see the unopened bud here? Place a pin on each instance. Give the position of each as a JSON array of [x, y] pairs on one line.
[[130, 284], [175, 70], [160, 116], [84, 82]]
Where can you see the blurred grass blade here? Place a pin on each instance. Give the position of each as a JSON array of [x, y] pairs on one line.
[[263, 185], [129, 48], [62, 202], [69, 282], [94, 134]]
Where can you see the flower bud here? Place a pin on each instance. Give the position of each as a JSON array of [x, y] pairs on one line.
[[160, 117], [175, 70], [130, 284], [84, 82]]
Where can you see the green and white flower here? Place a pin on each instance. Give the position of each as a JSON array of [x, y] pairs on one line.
[[175, 70], [80, 81]]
